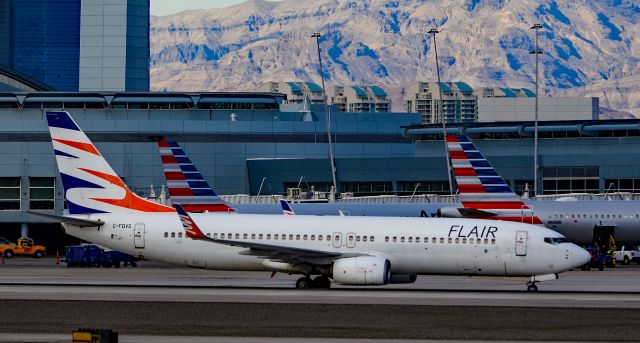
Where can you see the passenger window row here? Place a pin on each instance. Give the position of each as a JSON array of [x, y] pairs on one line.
[[442, 240], [596, 216]]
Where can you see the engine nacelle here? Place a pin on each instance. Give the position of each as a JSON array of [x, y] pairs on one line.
[[362, 270], [449, 212], [403, 278]]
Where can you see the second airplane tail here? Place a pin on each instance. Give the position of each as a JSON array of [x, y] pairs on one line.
[[480, 187], [187, 186]]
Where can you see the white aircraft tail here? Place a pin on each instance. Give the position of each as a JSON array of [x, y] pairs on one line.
[[90, 184]]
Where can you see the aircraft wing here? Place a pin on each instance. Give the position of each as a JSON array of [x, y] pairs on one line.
[[280, 253]]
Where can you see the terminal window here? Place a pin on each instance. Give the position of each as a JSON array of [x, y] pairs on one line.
[[563, 180], [9, 193], [622, 185], [41, 193]]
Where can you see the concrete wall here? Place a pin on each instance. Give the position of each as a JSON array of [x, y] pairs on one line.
[[523, 109]]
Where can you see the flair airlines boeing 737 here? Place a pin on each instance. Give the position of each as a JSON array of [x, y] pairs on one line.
[[349, 250]]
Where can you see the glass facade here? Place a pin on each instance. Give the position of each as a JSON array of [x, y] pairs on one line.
[[45, 41]]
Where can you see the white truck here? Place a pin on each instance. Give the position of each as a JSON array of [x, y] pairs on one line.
[[627, 254]]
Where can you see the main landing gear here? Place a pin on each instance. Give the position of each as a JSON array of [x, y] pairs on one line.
[[531, 287], [318, 282]]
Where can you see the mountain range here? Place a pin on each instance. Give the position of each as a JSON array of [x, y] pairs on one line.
[[589, 47]]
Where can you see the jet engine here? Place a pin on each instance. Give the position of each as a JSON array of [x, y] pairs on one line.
[[362, 270]]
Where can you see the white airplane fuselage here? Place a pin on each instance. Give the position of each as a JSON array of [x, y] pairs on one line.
[[412, 245]]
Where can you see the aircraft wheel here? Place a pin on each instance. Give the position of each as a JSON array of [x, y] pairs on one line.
[[303, 283], [531, 287], [321, 282]]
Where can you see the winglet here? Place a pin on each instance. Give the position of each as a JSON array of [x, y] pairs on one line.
[[190, 227], [286, 209]]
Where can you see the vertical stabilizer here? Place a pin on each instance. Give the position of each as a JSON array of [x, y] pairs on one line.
[[480, 187], [186, 185], [90, 184]]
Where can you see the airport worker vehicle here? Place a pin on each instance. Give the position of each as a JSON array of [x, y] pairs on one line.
[[24, 247], [627, 254], [90, 255], [349, 250]]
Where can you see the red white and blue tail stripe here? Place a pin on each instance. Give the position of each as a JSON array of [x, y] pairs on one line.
[[186, 185], [286, 209], [480, 187]]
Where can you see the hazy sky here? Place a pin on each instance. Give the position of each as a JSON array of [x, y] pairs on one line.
[[164, 7]]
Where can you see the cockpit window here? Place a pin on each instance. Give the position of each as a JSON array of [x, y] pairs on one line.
[[556, 240]]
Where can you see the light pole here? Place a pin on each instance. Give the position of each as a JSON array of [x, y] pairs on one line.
[[327, 116], [441, 112], [536, 52]]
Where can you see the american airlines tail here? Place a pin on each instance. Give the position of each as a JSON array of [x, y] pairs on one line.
[[186, 185], [481, 189], [90, 184]]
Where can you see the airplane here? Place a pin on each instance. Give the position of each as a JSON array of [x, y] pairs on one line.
[[349, 250], [485, 194]]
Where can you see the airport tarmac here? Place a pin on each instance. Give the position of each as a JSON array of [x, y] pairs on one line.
[[156, 299]]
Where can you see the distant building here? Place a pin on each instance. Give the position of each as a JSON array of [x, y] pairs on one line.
[[71, 45], [457, 105], [295, 91], [518, 104], [359, 98]]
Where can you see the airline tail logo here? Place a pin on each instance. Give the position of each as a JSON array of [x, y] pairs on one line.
[[89, 182], [481, 187], [191, 229], [286, 209], [186, 185]]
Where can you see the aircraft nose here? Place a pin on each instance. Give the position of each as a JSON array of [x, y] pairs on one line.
[[580, 256]]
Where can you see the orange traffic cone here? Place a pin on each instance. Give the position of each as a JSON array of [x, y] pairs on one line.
[[57, 257]]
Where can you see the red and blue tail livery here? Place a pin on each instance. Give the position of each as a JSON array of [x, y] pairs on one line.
[[286, 209], [481, 188], [90, 185], [186, 185]]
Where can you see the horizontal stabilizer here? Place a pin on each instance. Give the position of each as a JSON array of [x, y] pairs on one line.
[[69, 220]]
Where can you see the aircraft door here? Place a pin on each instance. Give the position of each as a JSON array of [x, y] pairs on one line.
[[138, 236], [337, 239], [521, 243], [351, 240]]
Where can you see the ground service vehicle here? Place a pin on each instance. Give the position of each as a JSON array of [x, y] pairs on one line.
[[89, 255], [597, 259], [627, 254], [25, 246]]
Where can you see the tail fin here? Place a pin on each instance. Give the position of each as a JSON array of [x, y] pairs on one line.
[[286, 209], [186, 185], [481, 187], [89, 182]]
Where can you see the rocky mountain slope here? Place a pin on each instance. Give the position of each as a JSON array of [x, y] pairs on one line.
[[591, 47]]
